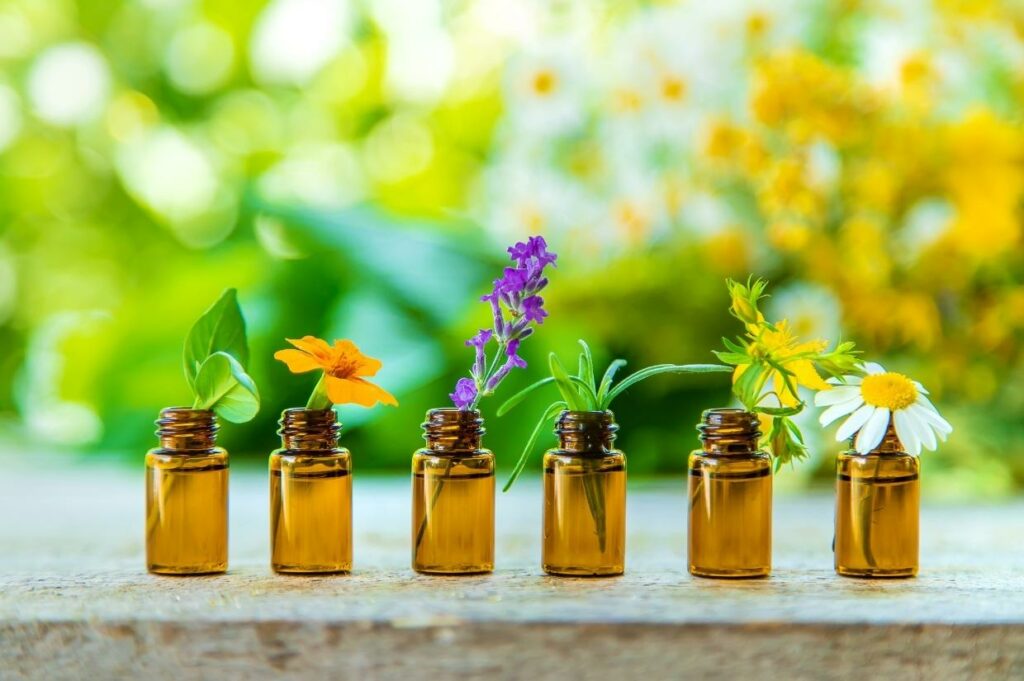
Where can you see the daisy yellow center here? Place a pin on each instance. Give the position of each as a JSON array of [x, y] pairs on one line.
[[890, 390]]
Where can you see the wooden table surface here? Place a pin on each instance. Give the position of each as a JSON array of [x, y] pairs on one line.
[[76, 601]]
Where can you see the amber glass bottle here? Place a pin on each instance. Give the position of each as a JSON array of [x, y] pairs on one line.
[[187, 496], [310, 495], [730, 498], [585, 498], [877, 511], [453, 496]]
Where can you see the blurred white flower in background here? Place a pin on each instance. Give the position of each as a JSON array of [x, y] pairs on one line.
[[706, 215], [199, 58], [420, 53], [813, 311], [925, 223], [293, 39], [318, 175], [69, 84], [546, 90]]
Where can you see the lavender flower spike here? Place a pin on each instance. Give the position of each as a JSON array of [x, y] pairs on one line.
[[516, 308]]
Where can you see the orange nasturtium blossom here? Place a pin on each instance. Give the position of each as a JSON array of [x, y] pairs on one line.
[[345, 371]]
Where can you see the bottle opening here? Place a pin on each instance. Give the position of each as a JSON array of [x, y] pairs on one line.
[[728, 430], [586, 431], [184, 428], [455, 430], [309, 429]]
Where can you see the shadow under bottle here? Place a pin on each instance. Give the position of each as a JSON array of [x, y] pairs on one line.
[[585, 498], [187, 496], [730, 498], [453, 496], [877, 511], [310, 496]]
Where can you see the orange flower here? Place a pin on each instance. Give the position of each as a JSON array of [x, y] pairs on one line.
[[344, 367]]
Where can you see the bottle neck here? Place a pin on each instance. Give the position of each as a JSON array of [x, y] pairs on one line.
[[586, 432], [453, 430], [890, 443], [184, 429], [309, 429], [729, 431]]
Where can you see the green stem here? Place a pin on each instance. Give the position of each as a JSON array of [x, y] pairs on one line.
[[438, 485], [594, 490], [319, 399]]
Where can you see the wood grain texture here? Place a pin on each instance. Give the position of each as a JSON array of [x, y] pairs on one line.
[[75, 601]]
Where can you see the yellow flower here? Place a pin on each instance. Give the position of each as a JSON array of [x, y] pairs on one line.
[[780, 347], [344, 367]]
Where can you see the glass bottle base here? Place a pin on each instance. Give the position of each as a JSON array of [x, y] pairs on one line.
[[714, 573], [876, 573], [454, 570], [311, 569], [188, 570], [571, 571]]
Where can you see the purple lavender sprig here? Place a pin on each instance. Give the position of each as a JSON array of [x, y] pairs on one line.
[[516, 307]]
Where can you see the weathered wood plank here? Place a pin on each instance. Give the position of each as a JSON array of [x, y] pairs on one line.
[[75, 600]]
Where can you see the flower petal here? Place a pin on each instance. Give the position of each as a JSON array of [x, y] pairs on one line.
[[845, 380], [314, 346], [920, 388], [873, 368], [298, 362], [906, 431], [807, 375], [873, 431], [357, 391], [924, 430], [929, 415], [854, 423], [841, 409], [843, 393]]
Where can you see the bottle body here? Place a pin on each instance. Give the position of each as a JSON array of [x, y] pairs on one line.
[[730, 499], [187, 502], [311, 511], [584, 514], [453, 512], [877, 514]]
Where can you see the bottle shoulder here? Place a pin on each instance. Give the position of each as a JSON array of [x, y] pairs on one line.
[[160, 458], [562, 460], [455, 464], [310, 459], [884, 465], [753, 460]]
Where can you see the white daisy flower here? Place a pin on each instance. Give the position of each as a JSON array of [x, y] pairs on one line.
[[873, 400]]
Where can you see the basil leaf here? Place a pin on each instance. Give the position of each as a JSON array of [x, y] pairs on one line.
[[220, 329], [223, 386]]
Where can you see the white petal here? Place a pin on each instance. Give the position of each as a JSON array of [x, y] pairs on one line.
[[923, 429], [839, 410], [920, 388], [873, 368], [932, 419], [873, 431], [824, 398], [903, 421], [853, 424]]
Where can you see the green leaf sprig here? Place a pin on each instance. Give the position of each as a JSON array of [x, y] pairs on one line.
[[582, 392], [216, 356]]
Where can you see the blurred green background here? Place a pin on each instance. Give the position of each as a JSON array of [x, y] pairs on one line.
[[356, 169]]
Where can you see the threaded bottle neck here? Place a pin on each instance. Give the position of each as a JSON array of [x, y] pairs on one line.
[[309, 429], [185, 429], [453, 430], [586, 432], [729, 431]]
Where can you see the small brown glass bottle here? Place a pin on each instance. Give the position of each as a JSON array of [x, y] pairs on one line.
[[730, 498], [453, 496], [187, 496], [877, 511], [585, 498], [310, 496]]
